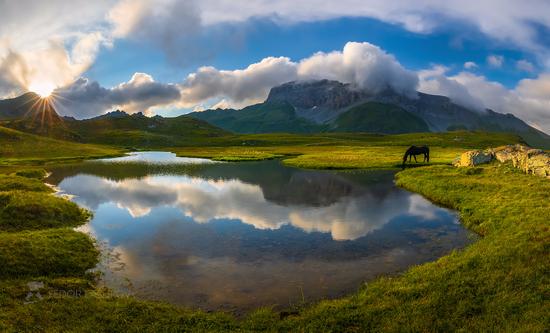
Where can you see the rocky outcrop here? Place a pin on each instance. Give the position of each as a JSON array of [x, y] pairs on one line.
[[529, 160], [474, 157]]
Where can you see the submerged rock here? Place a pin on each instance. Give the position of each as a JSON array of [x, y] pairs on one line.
[[527, 159]]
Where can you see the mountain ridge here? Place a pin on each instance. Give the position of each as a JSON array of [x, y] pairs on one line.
[[319, 105], [315, 106]]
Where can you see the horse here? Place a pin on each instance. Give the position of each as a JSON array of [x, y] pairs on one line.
[[414, 150]]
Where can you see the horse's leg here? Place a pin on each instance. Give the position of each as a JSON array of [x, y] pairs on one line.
[[415, 161]]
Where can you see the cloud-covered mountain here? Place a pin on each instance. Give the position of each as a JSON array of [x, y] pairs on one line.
[[324, 105]]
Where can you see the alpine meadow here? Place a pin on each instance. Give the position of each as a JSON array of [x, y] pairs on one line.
[[251, 166]]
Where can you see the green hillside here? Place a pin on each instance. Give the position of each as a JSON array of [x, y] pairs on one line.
[[138, 130], [17, 147], [260, 118], [375, 117]]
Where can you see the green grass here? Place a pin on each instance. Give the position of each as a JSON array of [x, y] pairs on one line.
[[32, 173], [53, 252], [21, 210], [14, 183], [499, 283], [376, 117], [346, 151], [18, 148]]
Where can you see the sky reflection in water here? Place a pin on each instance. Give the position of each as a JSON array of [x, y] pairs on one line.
[[237, 236]]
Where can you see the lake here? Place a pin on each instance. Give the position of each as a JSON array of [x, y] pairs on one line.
[[235, 236]]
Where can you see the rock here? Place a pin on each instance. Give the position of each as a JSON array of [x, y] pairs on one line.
[[474, 157], [529, 160]]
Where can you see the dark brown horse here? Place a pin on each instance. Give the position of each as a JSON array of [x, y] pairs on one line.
[[414, 150]]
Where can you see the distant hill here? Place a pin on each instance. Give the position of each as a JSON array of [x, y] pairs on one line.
[[331, 106], [120, 128], [32, 114], [268, 117], [296, 107]]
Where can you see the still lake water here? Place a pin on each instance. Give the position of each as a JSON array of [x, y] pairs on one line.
[[235, 236]]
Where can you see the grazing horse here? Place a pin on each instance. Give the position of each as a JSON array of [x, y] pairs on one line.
[[414, 150]]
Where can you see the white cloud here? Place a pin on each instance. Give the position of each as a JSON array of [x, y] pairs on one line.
[[470, 65], [173, 26], [507, 21], [495, 61], [247, 85], [525, 66], [178, 27], [362, 64], [529, 100], [50, 42], [85, 98]]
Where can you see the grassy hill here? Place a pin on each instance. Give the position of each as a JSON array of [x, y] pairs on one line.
[[138, 130], [375, 117], [17, 147], [269, 117]]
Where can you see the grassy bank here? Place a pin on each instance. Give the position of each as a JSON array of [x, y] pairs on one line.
[[345, 151], [498, 283]]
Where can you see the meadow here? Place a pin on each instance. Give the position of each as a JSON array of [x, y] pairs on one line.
[[499, 283]]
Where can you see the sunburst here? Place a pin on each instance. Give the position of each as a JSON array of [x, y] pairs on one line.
[[43, 88]]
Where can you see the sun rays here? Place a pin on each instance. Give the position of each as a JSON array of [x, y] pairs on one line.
[[43, 89]]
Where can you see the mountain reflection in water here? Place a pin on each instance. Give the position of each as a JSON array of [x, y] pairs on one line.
[[237, 236]]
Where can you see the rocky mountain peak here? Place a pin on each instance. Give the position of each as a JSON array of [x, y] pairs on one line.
[[326, 94]]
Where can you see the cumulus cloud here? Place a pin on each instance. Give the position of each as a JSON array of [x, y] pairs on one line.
[[174, 27], [48, 43], [362, 64], [495, 61], [86, 98], [470, 65], [514, 22], [247, 85]]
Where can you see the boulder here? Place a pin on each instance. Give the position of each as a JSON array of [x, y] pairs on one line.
[[474, 157], [529, 160]]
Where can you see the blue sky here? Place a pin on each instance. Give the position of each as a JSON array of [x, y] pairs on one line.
[[264, 38], [170, 57]]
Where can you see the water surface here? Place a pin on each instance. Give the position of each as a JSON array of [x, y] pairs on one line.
[[235, 236]]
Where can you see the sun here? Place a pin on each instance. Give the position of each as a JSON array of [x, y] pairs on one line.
[[43, 89]]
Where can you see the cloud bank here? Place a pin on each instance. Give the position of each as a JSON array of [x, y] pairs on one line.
[[85, 98], [529, 100]]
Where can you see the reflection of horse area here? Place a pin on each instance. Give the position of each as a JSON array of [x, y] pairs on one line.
[[413, 151], [238, 236]]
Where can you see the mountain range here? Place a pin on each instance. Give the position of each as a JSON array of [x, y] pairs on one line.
[[294, 107], [25, 113], [331, 106]]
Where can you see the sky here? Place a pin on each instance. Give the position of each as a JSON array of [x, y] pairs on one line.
[[171, 57]]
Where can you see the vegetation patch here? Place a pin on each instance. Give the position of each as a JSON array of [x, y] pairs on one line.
[[15, 183], [52, 252], [32, 173], [33, 210]]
